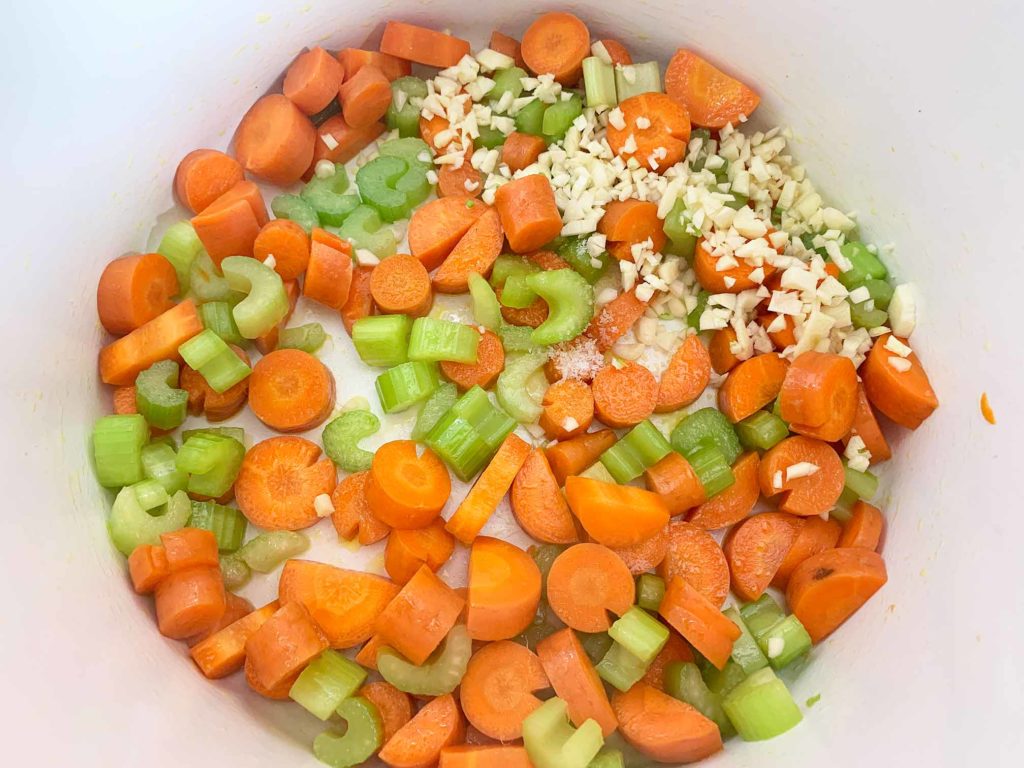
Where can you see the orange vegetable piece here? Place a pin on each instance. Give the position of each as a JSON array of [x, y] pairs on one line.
[[275, 140], [203, 399], [571, 457], [756, 548], [663, 728], [409, 549], [531, 316], [720, 351], [189, 602], [521, 150], [420, 616], [699, 621], [556, 43], [819, 395], [863, 529], [615, 318], [735, 502], [568, 409], [804, 496], [780, 339], [497, 690], [329, 272], [504, 590], [686, 377], [575, 680], [354, 59], [712, 98], [663, 143], [133, 290], [676, 649], [866, 426], [528, 213], [360, 300], [278, 481], [490, 362], [906, 397], [235, 608], [367, 655], [487, 492], [476, 251], [437, 227], [418, 743], [352, 514], [284, 644], [394, 706], [230, 225], [189, 548], [502, 43], [203, 175], [615, 515], [278, 693], [487, 756], [813, 535], [751, 385], [400, 285], [406, 490], [422, 45], [710, 279], [623, 397], [158, 339], [538, 504], [630, 221], [223, 652], [147, 567], [618, 53], [291, 390], [695, 555], [676, 482], [646, 555], [585, 582], [345, 143], [365, 97], [313, 79], [288, 243], [461, 181]]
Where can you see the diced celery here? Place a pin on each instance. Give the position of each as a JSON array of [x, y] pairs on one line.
[[707, 426], [403, 113], [212, 462], [863, 317], [341, 440], [408, 149], [639, 633], [516, 338], [117, 449], [382, 340], [761, 615], [684, 682], [364, 735], [608, 758], [761, 430], [693, 319], [760, 707], [235, 433], [489, 138], [558, 117], [721, 681], [217, 317], [511, 389], [157, 397], [711, 468], [268, 550], [595, 645], [881, 292], [206, 283], [326, 196], [180, 245], [570, 300], [364, 229], [641, 447], [621, 668], [530, 119], [574, 250], [864, 265], [294, 208], [680, 231], [433, 409], [507, 265], [552, 742], [517, 293], [159, 462], [864, 484], [650, 590], [215, 361], [309, 337], [266, 303], [130, 525], [599, 82], [434, 340], [843, 509], [634, 79], [507, 81], [235, 572], [150, 494], [469, 433], [392, 186], [405, 385], [438, 675], [227, 524], [326, 682], [745, 649], [486, 310], [785, 642]]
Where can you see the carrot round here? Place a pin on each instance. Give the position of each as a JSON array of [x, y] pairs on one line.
[[676, 482], [437, 227], [809, 495], [489, 489], [531, 316], [475, 252], [420, 616], [354, 59], [528, 212], [751, 385], [278, 481], [663, 142], [502, 43], [623, 397], [615, 318], [813, 535], [521, 150], [863, 529], [405, 489], [695, 555], [699, 621], [828, 588], [122, 360], [685, 378], [284, 644], [585, 582], [422, 45], [485, 756], [419, 742], [365, 97], [570, 457], [615, 515], [203, 175], [907, 396], [712, 98], [783, 338], [278, 693], [313, 79], [189, 602], [720, 351], [329, 271], [663, 728], [710, 279], [227, 227], [275, 140], [288, 243], [394, 706], [866, 426], [497, 690], [352, 514], [756, 548], [223, 652], [461, 181], [123, 401], [646, 555], [819, 395], [504, 590], [203, 399], [189, 548], [538, 504], [675, 649], [575, 680], [618, 53], [400, 285], [339, 142], [735, 502], [409, 549], [133, 290], [291, 390], [630, 221], [147, 567], [490, 362], [556, 44], [360, 300], [568, 409], [235, 608]]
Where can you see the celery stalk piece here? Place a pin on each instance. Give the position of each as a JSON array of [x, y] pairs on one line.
[[266, 552], [180, 245], [326, 682], [707, 426], [309, 337], [382, 340], [130, 525], [364, 229], [433, 409], [650, 590], [558, 117], [621, 668], [392, 186], [159, 462], [403, 114], [517, 338], [326, 196], [683, 682], [117, 449], [843, 509], [486, 310], [469, 433], [341, 440], [217, 317], [640, 448], [864, 317], [599, 82], [405, 385], [511, 388], [208, 284], [212, 462], [785, 642], [543, 626], [508, 80], [608, 758], [596, 645], [570, 301], [881, 292], [433, 340], [864, 265], [634, 79], [552, 742], [227, 524], [639, 633], [235, 433], [508, 265], [721, 681], [410, 150], [150, 494], [864, 484], [157, 397], [438, 675], [530, 119], [266, 302], [761, 431], [516, 293], [760, 707], [235, 572], [294, 208], [680, 230], [703, 151], [712, 470], [745, 649], [574, 250], [489, 138], [761, 615], [364, 735], [693, 319], [216, 362]]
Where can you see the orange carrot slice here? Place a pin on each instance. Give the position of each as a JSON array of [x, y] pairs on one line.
[[575, 680], [291, 390], [313, 79], [122, 360], [676, 482], [538, 504], [663, 728], [504, 590], [813, 535], [203, 175], [756, 548], [751, 385], [352, 514], [568, 409], [646, 555], [865, 425], [696, 556], [712, 98], [819, 395], [802, 494], [863, 529], [400, 285], [685, 378], [437, 227], [405, 489], [663, 142], [585, 582], [615, 515], [490, 362], [489, 489], [905, 396], [497, 690], [420, 616], [570, 457], [556, 43], [422, 45], [623, 397], [528, 212], [735, 502], [275, 140], [189, 602], [418, 743], [223, 652], [476, 251], [134, 290], [278, 481], [409, 549], [699, 621], [394, 706]]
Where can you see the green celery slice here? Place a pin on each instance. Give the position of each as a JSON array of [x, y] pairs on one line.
[[469, 433], [309, 337], [489, 138], [745, 649], [294, 208], [517, 293], [762, 430], [180, 245], [433, 409], [761, 615], [117, 449], [227, 524], [684, 682], [235, 572], [403, 386], [680, 231], [712, 470], [530, 119], [864, 484], [511, 388], [599, 82], [507, 265], [760, 707], [608, 758], [382, 340], [707, 426], [410, 150], [212, 462], [438, 675], [640, 448], [405, 119], [639, 633], [621, 668], [217, 317], [788, 638], [159, 462], [558, 117], [434, 340], [645, 78], [215, 361], [206, 282], [326, 682], [364, 735], [864, 265], [266, 302], [157, 397], [341, 440], [326, 196], [365, 230], [392, 186], [570, 301], [574, 250], [267, 551], [508, 80], [130, 525], [650, 590], [486, 310], [552, 742]]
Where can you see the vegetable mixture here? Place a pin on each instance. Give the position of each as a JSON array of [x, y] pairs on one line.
[[593, 252]]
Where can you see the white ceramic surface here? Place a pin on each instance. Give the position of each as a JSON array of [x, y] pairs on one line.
[[910, 115]]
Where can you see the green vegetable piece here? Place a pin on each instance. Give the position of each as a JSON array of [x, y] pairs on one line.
[[235, 572], [574, 250], [508, 265], [215, 361], [642, 447], [762, 430], [489, 138], [516, 338], [639, 633], [382, 340], [862, 317], [131, 525], [680, 231], [760, 707], [236, 433], [212, 462], [843, 509], [542, 626], [160, 463], [227, 524], [438, 675], [517, 293], [621, 668], [864, 484], [326, 682], [407, 94], [683, 682], [650, 590], [217, 317], [864, 265], [599, 82], [266, 303], [180, 245], [707, 426], [570, 300], [881, 292], [608, 758], [117, 449], [530, 119], [434, 340], [634, 79], [712, 469], [721, 681], [297, 209], [266, 552], [366, 231], [405, 385], [150, 494], [208, 284], [704, 135], [326, 196], [511, 389], [486, 310], [507, 81], [436, 406], [595, 645], [469, 433], [552, 742], [341, 440], [761, 615], [392, 186], [785, 642], [558, 117], [745, 649], [414, 151], [693, 319], [309, 337], [157, 397], [364, 735]]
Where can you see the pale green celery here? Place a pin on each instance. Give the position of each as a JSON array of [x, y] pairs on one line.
[[621, 668], [761, 615], [788, 639], [235, 572], [294, 208], [365, 230], [217, 317], [410, 149], [309, 337], [157, 397], [745, 650], [326, 682], [180, 245], [215, 361], [599, 82], [268, 550], [634, 79], [392, 186], [511, 387], [760, 707], [117, 449], [266, 303], [570, 301], [684, 682], [131, 526], [326, 196], [433, 409], [227, 524], [650, 590], [438, 675], [364, 735], [341, 440], [206, 282], [552, 742], [159, 462], [212, 462], [639, 633], [486, 310], [405, 118], [608, 758], [150, 494]]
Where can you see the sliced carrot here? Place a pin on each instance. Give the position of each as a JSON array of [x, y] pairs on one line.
[[783, 338], [203, 399], [352, 514], [570, 457], [756, 548], [735, 502], [676, 482], [365, 97], [278, 693], [422, 45], [660, 145], [394, 706], [663, 728], [556, 43], [360, 300], [133, 290], [288, 243], [400, 285], [405, 489], [646, 555], [575, 680], [437, 227], [865, 425], [907, 396], [235, 608], [329, 271], [521, 150], [278, 481], [418, 743], [189, 548], [339, 142], [618, 53], [284, 644], [490, 362], [461, 181], [275, 140], [476, 251], [487, 492], [711, 279], [230, 224], [547, 260], [630, 220], [863, 529], [367, 655], [686, 377], [538, 504], [809, 495], [720, 351], [431, 127], [291, 390], [819, 395], [695, 555], [615, 515], [313, 79], [497, 690], [676, 649], [504, 590], [623, 397], [699, 621], [223, 652], [502, 43], [615, 318], [420, 616], [568, 409], [813, 535], [147, 567], [354, 59], [531, 316], [751, 385], [124, 401], [203, 175], [189, 602], [122, 360], [409, 549], [828, 588], [585, 582], [712, 98], [268, 342], [528, 212], [486, 756]]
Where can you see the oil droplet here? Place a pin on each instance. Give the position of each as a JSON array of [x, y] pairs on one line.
[[986, 409]]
